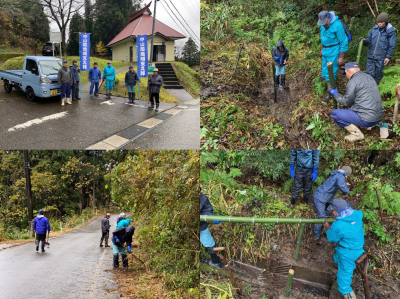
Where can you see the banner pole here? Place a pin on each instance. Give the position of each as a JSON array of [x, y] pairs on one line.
[[138, 88], [80, 62]]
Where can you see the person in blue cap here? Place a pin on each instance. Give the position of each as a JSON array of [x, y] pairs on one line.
[[365, 102], [347, 232], [381, 41], [306, 162], [205, 236], [281, 56], [41, 226], [324, 194], [334, 44]]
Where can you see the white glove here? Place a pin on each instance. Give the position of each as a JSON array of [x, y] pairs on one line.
[[386, 61]]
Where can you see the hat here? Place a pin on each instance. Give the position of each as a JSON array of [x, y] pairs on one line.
[[323, 17], [64, 61], [131, 67], [339, 204], [351, 65], [155, 70], [122, 214], [95, 63], [73, 61], [41, 212], [347, 170], [383, 17], [108, 214], [108, 62]]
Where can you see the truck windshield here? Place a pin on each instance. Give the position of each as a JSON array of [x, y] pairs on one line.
[[50, 67]]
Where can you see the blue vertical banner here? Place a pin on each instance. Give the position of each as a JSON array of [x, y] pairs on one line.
[[142, 59], [84, 51]]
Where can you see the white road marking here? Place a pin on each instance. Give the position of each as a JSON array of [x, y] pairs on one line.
[[107, 102], [37, 121]]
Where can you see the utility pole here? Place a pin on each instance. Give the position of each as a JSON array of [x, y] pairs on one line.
[[28, 191], [94, 182], [152, 35]]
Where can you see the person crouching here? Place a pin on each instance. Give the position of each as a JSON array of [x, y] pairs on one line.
[[121, 236]]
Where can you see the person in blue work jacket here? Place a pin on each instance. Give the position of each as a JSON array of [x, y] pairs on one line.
[[306, 162], [94, 78], [281, 56], [334, 44], [41, 226], [324, 194], [121, 236], [124, 223], [205, 236], [109, 77], [347, 232], [381, 41]]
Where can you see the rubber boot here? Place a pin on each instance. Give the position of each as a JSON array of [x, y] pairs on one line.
[[133, 98], [293, 202], [283, 80], [129, 96], [152, 105], [62, 101], [125, 261], [157, 105], [101, 242], [68, 101], [215, 260], [355, 133], [37, 245], [306, 200], [43, 247], [276, 81], [106, 94], [115, 261], [350, 295], [109, 95]]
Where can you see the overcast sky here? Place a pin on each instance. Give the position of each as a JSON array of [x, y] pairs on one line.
[[189, 9]]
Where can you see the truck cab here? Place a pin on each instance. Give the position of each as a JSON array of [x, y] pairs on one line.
[[38, 78]]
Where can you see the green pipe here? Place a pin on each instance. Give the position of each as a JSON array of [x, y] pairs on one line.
[[299, 239], [289, 283], [360, 45], [332, 82], [263, 220]]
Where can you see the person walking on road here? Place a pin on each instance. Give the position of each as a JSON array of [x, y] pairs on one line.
[[75, 70], [41, 226], [281, 56], [121, 217], [121, 236], [109, 77], [347, 232], [365, 102], [65, 80], [306, 162], [105, 230], [334, 44], [94, 78], [155, 82], [323, 196], [130, 82], [205, 236], [381, 41], [124, 223]]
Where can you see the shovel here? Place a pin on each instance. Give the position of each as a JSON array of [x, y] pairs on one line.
[[228, 269]]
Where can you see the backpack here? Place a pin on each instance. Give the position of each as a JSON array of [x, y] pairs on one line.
[[346, 30]]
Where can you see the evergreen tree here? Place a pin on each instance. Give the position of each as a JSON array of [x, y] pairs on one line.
[[190, 52], [89, 20], [77, 25]]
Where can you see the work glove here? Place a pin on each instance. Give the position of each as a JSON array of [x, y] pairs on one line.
[[385, 63], [341, 59], [292, 171], [126, 84], [216, 221], [314, 174], [350, 37], [361, 38], [117, 240], [280, 61], [333, 91], [276, 58], [129, 249]]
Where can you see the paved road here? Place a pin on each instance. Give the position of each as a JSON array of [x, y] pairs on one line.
[[73, 267]]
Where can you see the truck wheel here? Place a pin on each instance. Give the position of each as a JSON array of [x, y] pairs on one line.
[[30, 94], [7, 86]]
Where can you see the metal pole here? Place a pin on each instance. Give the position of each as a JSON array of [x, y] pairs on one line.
[[332, 82], [138, 88], [52, 48], [28, 191], [263, 220], [94, 183], [152, 34], [299, 239], [80, 87], [289, 283]]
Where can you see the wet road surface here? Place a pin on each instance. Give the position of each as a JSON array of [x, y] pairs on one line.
[[73, 267]]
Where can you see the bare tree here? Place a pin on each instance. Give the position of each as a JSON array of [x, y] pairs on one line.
[[61, 11]]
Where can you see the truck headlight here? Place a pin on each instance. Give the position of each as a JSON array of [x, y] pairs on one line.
[[45, 80]]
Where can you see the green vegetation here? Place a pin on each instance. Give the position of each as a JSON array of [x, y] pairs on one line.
[[258, 184], [225, 25], [188, 78]]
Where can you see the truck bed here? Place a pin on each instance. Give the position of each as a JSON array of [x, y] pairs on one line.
[[12, 75]]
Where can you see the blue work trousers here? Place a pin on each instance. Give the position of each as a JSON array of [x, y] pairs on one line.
[[65, 90], [96, 88], [346, 117], [279, 70], [375, 69]]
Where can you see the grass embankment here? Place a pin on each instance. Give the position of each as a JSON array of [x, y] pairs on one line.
[[121, 90], [189, 78]]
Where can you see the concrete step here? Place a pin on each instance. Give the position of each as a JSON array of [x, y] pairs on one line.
[[171, 82], [169, 76], [173, 87]]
